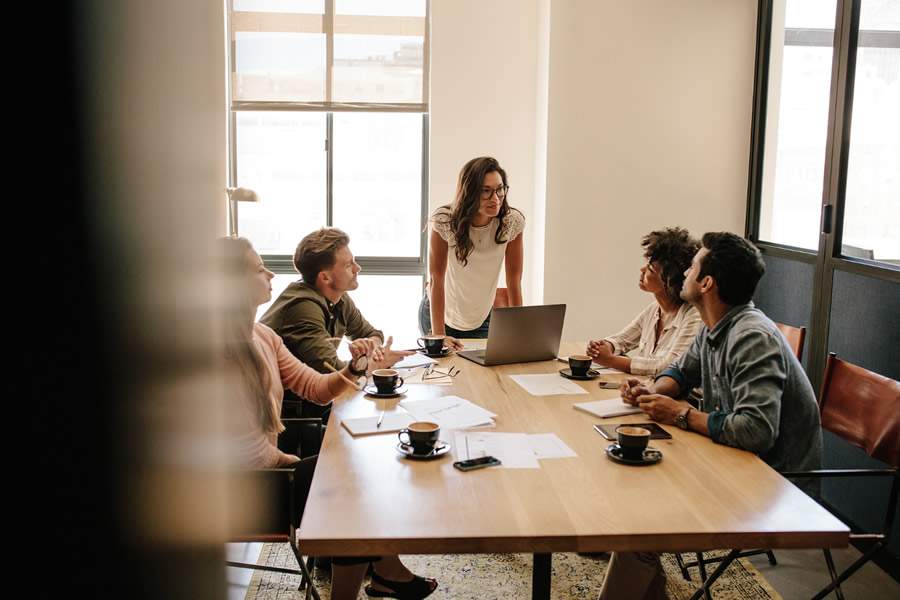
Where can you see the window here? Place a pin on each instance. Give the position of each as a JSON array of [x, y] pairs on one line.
[[872, 199], [329, 125], [797, 123], [799, 91]]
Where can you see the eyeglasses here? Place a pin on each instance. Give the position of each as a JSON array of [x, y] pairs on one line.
[[500, 191], [432, 373]]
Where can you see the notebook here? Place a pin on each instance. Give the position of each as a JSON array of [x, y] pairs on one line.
[[393, 421], [608, 408]]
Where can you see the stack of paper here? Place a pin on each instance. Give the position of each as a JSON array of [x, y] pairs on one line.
[[607, 408], [450, 412], [393, 421]]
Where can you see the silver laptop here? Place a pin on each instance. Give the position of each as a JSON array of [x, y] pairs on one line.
[[521, 334]]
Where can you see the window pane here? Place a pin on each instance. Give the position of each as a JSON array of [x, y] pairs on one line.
[[378, 68], [281, 155], [279, 50], [872, 204], [879, 15], [391, 303], [797, 123], [378, 182], [392, 8], [281, 6], [279, 66]]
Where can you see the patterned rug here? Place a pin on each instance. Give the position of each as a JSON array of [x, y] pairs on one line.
[[505, 576]]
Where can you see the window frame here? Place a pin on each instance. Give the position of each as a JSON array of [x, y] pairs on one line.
[[371, 265], [828, 258]]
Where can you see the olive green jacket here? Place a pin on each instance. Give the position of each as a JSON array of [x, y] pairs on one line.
[[305, 319]]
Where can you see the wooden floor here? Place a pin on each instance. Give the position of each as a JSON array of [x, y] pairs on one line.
[[798, 575]]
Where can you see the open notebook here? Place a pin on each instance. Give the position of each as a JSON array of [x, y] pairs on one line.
[[393, 421]]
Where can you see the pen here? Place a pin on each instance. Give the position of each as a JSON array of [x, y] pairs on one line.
[[380, 419]]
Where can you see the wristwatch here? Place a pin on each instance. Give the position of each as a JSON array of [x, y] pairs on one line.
[[682, 419], [358, 367]]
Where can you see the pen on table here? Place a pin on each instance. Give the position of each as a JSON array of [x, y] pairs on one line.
[[380, 419]]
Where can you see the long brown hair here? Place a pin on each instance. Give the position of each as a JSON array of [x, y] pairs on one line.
[[240, 352], [468, 201]]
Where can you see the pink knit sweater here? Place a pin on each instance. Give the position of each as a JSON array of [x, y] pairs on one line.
[[259, 449]]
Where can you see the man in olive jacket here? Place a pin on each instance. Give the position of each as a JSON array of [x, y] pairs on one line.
[[313, 314]]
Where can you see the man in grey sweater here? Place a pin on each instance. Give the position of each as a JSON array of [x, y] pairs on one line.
[[756, 395]]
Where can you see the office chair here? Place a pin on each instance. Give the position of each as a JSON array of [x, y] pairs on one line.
[[862, 408], [287, 489]]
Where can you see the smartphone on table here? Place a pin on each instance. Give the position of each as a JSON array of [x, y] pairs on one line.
[[476, 463]]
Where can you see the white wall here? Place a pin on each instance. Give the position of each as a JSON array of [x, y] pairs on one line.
[[488, 97], [649, 126]]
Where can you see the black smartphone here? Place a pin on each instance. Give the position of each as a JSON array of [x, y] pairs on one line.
[[476, 463]]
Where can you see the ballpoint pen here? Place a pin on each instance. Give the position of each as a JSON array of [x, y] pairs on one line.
[[380, 419]]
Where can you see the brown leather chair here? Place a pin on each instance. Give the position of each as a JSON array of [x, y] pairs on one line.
[[862, 408], [284, 492], [795, 337]]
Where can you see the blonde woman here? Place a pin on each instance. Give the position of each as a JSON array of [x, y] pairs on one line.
[[265, 367]]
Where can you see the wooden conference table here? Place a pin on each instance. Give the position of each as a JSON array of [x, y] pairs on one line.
[[367, 499]]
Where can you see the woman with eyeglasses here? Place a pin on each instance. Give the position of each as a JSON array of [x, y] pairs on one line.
[[469, 242], [262, 368], [664, 330]]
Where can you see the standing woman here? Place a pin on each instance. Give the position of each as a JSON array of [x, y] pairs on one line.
[[470, 240]]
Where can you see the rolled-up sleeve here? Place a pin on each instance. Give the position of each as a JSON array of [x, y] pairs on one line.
[[757, 379], [686, 370]]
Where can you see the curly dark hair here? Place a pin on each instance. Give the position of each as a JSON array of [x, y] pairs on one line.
[[468, 201], [672, 249]]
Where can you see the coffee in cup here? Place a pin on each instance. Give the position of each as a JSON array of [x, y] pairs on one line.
[[432, 344], [421, 436], [386, 380], [633, 441], [579, 364]]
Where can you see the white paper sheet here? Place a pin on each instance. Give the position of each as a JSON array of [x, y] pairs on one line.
[[613, 407], [548, 445], [450, 412], [512, 449], [393, 421], [414, 360], [547, 385]]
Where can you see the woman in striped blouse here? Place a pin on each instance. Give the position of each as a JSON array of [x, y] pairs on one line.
[[664, 330]]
